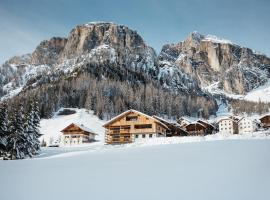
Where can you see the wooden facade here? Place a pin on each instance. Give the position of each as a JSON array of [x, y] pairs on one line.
[[174, 129], [196, 128], [75, 134], [210, 129], [132, 125], [265, 121]]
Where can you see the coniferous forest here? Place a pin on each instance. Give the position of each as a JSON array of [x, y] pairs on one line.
[[19, 130]]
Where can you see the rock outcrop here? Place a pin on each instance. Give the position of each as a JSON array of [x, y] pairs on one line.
[[209, 59]]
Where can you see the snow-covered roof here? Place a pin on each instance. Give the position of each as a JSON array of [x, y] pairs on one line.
[[196, 123], [82, 127], [265, 115], [132, 110], [201, 121], [225, 118]]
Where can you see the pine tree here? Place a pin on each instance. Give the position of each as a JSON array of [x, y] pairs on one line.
[[36, 126], [17, 139], [3, 129], [29, 131]]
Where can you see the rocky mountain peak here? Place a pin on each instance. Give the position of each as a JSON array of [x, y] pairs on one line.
[[48, 51], [209, 59], [84, 38]]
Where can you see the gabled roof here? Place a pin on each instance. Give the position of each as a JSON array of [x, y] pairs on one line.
[[245, 118], [187, 119], [169, 124], [135, 111], [82, 127], [205, 123], [267, 115], [226, 118]]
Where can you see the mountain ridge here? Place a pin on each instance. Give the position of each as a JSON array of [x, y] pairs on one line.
[[116, 52]]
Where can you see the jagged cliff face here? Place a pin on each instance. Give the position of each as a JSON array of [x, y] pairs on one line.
[[209, 60], [101, 43], [106, 45], [115, 52], [123, 69]]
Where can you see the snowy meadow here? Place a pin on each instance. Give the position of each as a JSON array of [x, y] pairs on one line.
[[231, 169]]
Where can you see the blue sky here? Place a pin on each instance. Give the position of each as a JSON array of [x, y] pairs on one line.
[[24, 23]]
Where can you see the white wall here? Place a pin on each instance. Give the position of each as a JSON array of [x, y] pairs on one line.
[[246, 125], [226, 126]]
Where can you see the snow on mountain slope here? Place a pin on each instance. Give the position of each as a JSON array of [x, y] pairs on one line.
[[16, 77], [261, 93], [235, 170], [50, 128]]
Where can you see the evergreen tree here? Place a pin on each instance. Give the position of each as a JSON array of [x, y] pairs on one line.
[[36, 126], [3, 129], [17, 139]]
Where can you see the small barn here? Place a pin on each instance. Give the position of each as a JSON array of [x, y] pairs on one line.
[[196, 128], [265, 121], [210, 129], [76, 134]]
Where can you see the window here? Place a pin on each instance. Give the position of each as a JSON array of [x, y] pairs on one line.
[[143, 126], [143, 136], [150, 135], [131, 118], [136, 136], [221, 128]]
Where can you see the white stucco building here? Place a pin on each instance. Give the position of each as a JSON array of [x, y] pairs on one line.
[[246, 125], [227, 125]]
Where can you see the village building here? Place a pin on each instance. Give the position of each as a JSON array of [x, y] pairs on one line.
[[246, 125], [265, 121], [228, 126], [76, 134], [210, 129], [183, 121], [131, 126], [196, 128], [174, 129]]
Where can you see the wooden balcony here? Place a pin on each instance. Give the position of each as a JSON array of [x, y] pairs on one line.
[[118, 138]]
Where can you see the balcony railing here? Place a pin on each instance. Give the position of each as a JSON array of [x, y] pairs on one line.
[[118, 138]]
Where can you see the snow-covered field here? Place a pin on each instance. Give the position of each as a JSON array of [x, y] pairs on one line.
[[211, 167], [232, 169]]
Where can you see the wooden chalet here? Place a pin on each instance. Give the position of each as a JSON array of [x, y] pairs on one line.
[[183, 121], [75, 134], [174, 129], [133, 125], [196, 128], [265, 121], [210, 129]]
